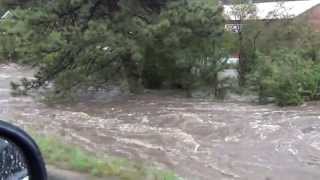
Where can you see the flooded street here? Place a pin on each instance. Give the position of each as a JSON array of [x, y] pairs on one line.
[[198, 139]]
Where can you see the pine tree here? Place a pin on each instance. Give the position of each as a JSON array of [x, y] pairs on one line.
[[82, 43]]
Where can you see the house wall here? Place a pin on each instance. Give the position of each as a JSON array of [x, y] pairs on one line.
[[313, 17]]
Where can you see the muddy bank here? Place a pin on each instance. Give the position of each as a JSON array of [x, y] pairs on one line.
[[58, 174], [198, 139]]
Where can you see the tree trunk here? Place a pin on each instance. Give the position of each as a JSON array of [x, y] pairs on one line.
[[133, 74], [215, 85], [242, 63]]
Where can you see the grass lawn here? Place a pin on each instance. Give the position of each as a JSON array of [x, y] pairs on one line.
[[74, 158]]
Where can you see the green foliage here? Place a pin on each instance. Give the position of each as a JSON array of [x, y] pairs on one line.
[[279, 58], [186, 46], [286, 76], [80, 44], [7, 48]]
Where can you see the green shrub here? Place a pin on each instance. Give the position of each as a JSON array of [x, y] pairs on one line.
[[287, 77]]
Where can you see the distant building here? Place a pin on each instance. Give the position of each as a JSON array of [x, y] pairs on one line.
[[309, 10], [272, 11]]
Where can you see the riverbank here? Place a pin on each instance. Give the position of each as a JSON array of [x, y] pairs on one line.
[[97, 167], [59, 174]]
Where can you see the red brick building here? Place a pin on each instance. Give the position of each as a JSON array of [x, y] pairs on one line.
[[307, 10], [269, 11], [313, 17]]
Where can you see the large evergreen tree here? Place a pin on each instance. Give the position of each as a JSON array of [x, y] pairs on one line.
[[82, 43]]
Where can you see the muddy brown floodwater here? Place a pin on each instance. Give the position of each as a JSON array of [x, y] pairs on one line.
[[198, 139]]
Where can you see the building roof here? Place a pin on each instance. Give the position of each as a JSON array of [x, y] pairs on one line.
[[276, 10], [6, 15]]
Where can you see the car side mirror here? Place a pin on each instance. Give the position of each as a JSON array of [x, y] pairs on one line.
[[20, 157]]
